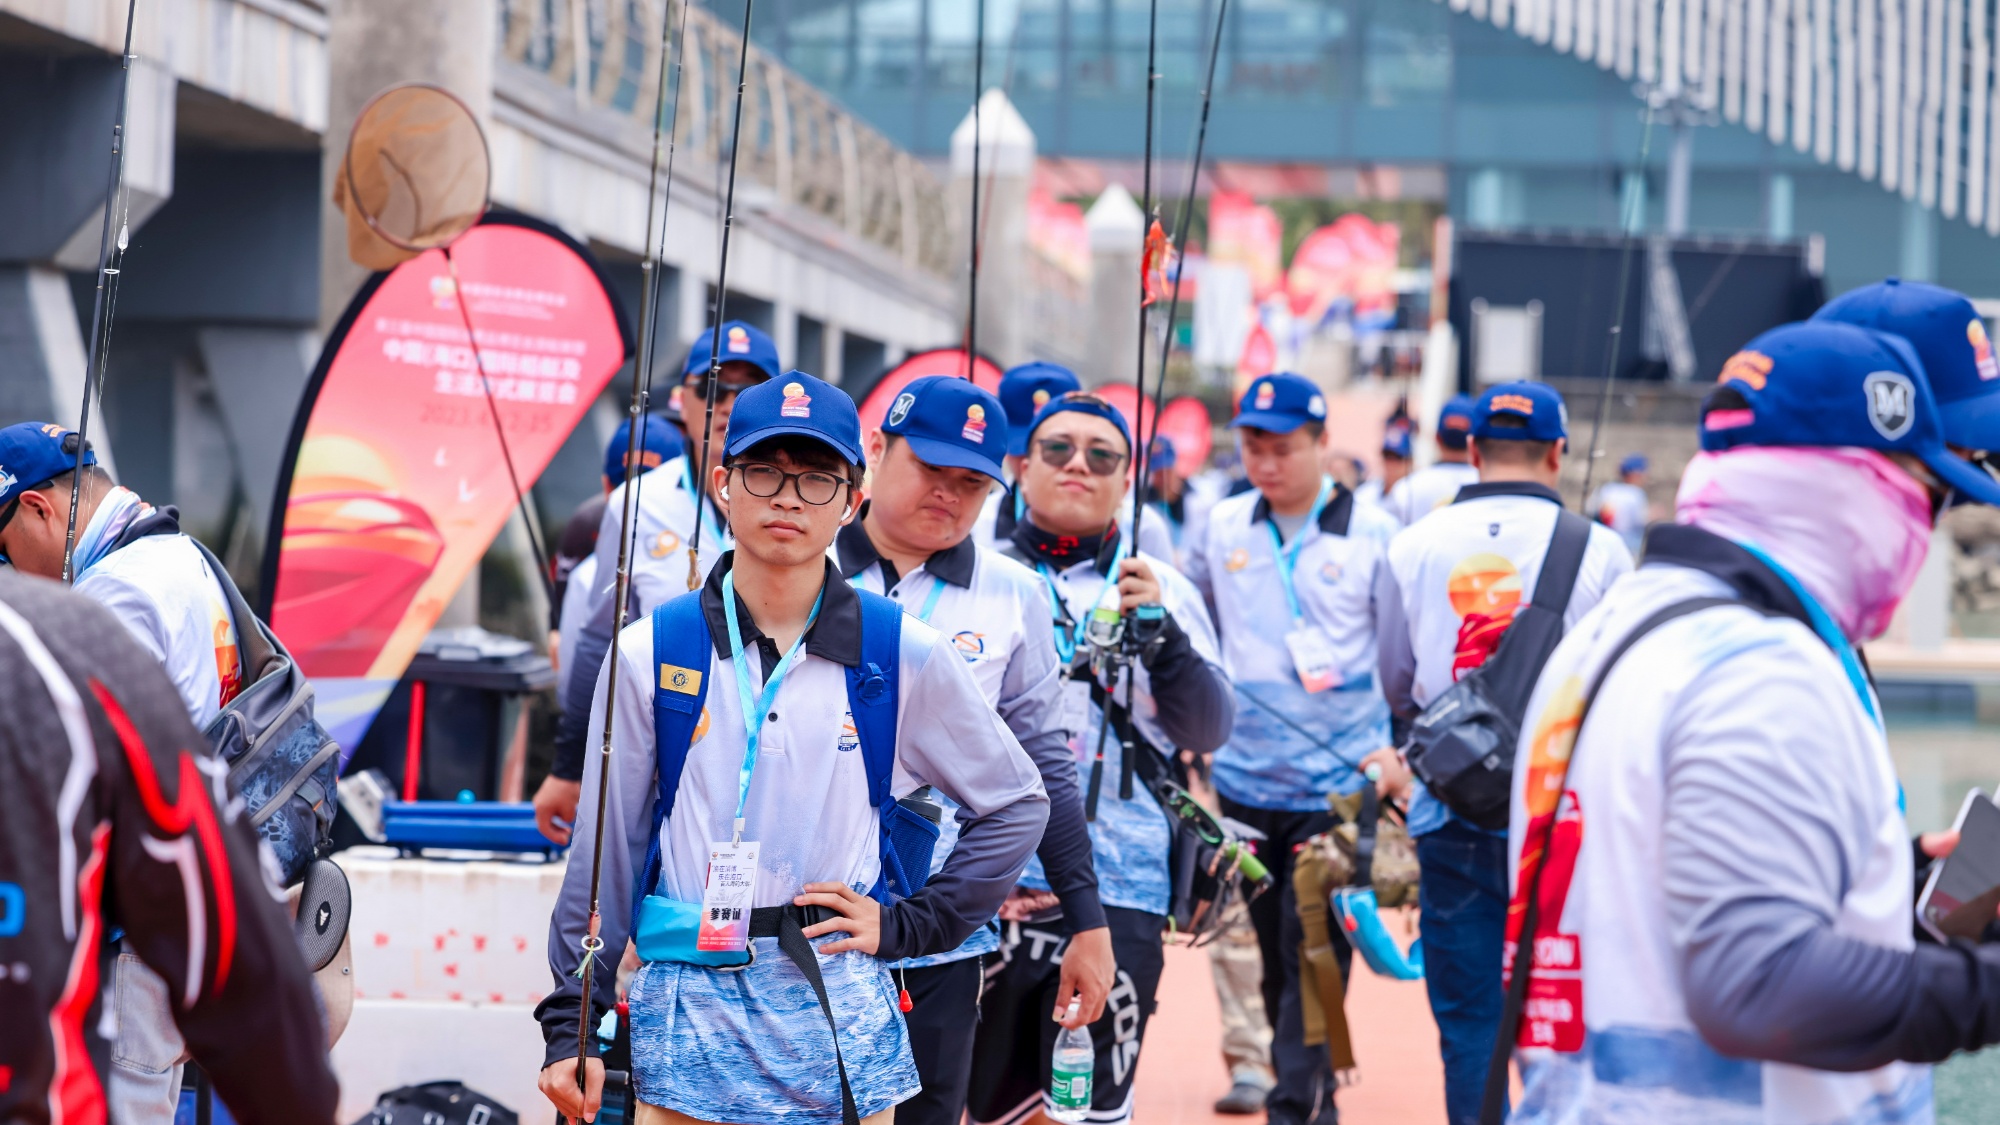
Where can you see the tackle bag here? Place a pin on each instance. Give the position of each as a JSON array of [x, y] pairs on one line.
[[438, 1103], [282, 763], [1462, 746]]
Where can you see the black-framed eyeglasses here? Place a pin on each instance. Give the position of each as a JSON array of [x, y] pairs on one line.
[[814, 487], [697, 384], [1102, 461]]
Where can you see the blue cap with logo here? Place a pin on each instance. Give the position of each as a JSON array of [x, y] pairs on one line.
[[1536, 406], [1279, 403], [1950, 340], [1161, 455], [1025, 390], [1081, 402], [797, 404], [32, 453], [950, 423], [741, 342], [1455, 422], [1824, 382], [1396, 436], [1634, 463], [659, 442]]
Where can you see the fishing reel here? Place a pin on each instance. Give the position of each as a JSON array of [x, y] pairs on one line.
[[1117, 639]]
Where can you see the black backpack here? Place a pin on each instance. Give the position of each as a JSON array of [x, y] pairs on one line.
[[1462, 746], [438, 1103], [282, 763]]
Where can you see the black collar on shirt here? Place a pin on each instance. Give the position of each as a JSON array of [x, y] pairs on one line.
[[1680, 544], [1508, 488], [835, 635], [857, 553], [1333, 519], [1034, 546]]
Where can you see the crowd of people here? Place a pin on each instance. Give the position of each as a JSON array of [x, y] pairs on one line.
[[886, 799]]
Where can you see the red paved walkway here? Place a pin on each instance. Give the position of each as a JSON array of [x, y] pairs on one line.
[[1181, 1072]]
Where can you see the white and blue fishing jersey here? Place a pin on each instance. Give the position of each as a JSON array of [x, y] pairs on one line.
[[1290, 748], [1428, 489]]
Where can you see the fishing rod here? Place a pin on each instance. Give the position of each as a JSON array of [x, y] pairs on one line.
[[104, 307], [1145, 248], [1634, 218], [642, 385], [714, 375], [972, 225]]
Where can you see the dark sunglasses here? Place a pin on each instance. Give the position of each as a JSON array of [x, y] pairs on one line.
[[765, 481], [1101, 461]]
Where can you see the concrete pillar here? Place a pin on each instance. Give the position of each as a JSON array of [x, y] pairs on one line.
[[1778, 206], [375, 44], [1006, 168], [1680, 175], [1919, 249], [258, 375], [42, 352], [1116, 227]]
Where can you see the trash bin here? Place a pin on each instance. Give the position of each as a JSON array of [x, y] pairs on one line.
[[446, 729]]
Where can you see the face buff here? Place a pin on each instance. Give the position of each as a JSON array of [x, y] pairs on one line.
[[1848, 523], [114, 514]]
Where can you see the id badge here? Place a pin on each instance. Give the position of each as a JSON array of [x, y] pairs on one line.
[[1312, 658], [726, 900], [1074, 714]]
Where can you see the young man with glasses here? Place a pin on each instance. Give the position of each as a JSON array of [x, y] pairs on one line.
[[775, 788], [131, 558], [663, 528], [1076, 477], [1289, 568], [935, 459]]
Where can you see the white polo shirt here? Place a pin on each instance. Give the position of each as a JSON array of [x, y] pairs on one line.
[[664, 526], [1427, 490], [161, 589]]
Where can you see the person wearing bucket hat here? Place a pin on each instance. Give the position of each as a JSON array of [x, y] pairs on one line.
[[1621, 504], [1738, 912], [935, 458], [1076, 477], [757, 1020], [1289, 570], [669, 507], [1426, 490]]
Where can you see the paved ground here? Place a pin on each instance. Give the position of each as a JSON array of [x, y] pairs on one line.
[[1181, 1072]]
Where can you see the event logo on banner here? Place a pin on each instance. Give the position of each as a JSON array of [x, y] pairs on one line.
[[395, 484]]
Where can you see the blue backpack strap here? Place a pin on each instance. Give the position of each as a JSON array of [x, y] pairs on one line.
[[681, 649], [873, 691]]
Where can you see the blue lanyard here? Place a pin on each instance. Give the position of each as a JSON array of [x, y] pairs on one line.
[[700, 499], [1288, 557], [755, 709], [1067, 641], [1822, 623], [930, 601]]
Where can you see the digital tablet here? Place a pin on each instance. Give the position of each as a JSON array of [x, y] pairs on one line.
[[1962, 894]]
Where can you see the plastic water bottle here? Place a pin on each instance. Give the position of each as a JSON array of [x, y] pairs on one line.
[[1070, 1072]]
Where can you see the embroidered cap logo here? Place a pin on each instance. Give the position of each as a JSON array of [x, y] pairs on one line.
[[1041, 399], [739, 342], [1892, 401], [797, 404], [1982, 349], [901, 408], [975, 424], [1267, 393]]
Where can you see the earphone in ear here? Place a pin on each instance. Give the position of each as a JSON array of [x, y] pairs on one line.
[[725, 492]]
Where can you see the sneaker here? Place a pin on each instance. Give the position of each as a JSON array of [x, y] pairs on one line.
[[1242, 1098]]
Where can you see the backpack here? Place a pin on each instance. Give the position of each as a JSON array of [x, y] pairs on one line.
[[682, 643], [439, 1103], [1462, 746], [282, 763]]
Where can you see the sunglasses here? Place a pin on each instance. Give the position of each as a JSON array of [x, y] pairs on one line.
[[1102, 461], [814, 487], [697, 384]]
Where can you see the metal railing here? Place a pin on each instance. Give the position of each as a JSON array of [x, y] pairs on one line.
[[798, 143]]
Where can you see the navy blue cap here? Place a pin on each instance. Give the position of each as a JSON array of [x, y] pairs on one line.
[[951, 423], [1949, 339], [34, 452], [1396, 436], [740, 342], [1161, 454], [1081, 402], [1633, 463], [1824, 382], [1280, 403], [799, 404], [1535, 404], [1455, 422], [660, 442], [1025, 390]]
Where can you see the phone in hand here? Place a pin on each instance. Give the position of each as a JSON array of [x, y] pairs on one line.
[[1962, 894]]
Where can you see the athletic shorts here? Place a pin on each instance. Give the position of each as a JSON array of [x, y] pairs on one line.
[[1010, 1057]]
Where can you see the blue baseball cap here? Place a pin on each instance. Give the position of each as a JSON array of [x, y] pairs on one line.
[[1396, 436], [1825, 382], [1280, 403], [798, 404], [660, 442], [1950, 341], [1025, 390], [1455, 422], [1536, 405], [1634, 463], [1081, 402], [740, 342], [33, 453], [950, 423]]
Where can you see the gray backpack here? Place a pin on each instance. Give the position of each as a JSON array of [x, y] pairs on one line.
[[282, 763]]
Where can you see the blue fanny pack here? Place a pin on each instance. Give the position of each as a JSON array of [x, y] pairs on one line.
[[664, 929]]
